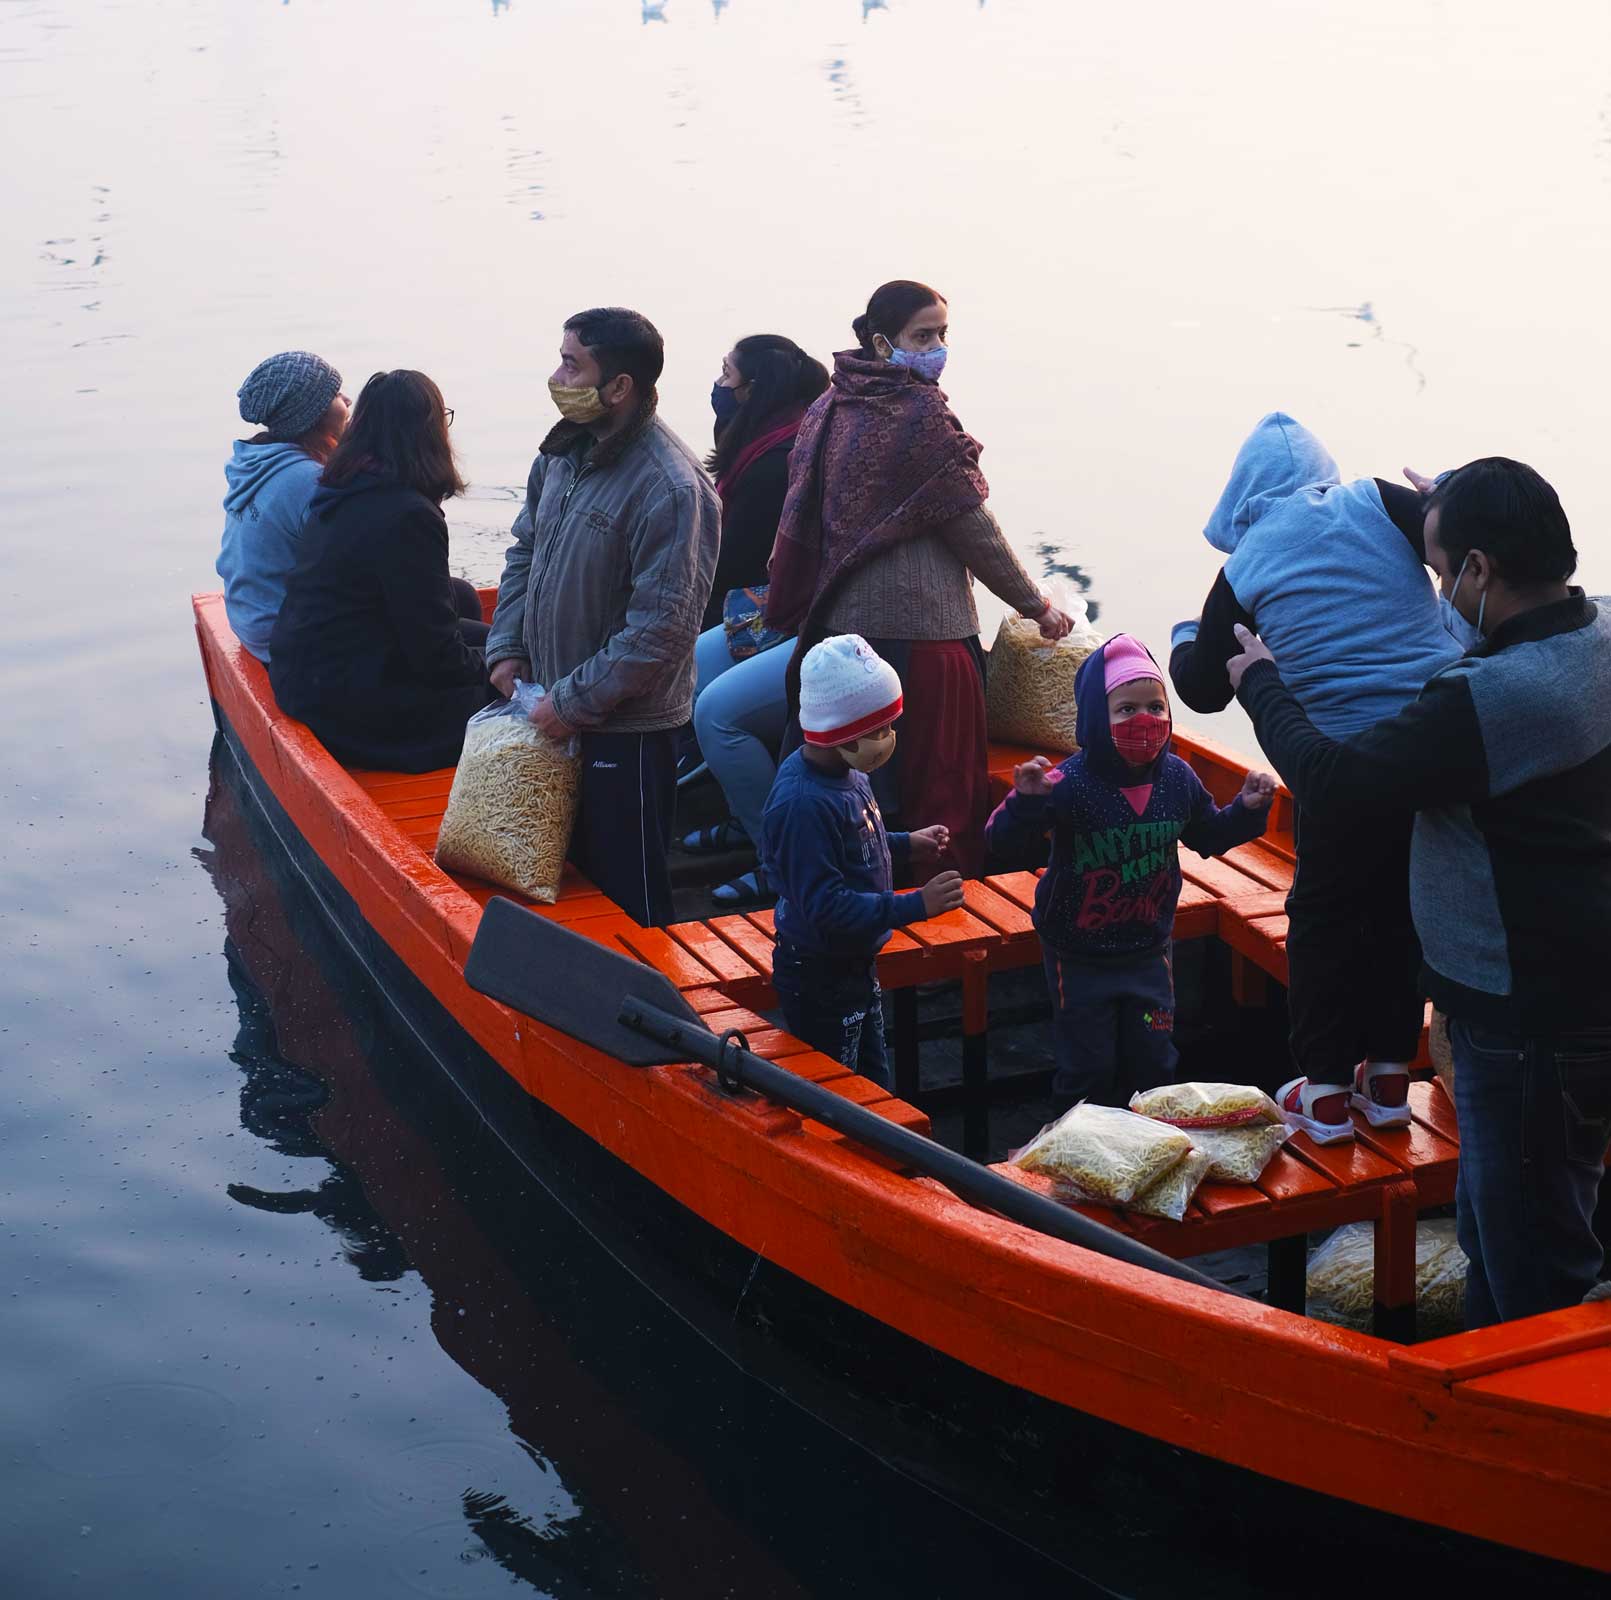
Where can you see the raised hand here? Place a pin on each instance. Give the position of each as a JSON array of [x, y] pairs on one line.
[[1258, 790], [942, 893], [1422, 484], [1035, 776], [929, 844]]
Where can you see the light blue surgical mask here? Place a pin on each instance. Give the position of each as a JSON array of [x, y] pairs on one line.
[[1467, 635], [927, 364]]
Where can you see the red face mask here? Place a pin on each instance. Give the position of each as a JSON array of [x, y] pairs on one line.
[[1139, 738]]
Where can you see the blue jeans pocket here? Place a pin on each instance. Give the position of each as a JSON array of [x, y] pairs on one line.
[[1583, 1066]]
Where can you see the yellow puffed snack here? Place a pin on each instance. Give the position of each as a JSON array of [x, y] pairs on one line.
[[1029, 687], [1239, 1155], [1106, 1153], [1206, 1105], [513, 801]]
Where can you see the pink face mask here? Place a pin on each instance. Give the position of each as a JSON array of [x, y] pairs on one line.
[[1140, 738]]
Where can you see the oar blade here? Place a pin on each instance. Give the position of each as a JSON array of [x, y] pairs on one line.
[[570, 983]]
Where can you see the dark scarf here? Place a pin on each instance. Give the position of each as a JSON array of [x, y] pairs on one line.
[[880, 457], [783, 433]]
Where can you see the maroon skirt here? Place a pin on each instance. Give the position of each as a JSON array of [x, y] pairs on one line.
[[943, 750]]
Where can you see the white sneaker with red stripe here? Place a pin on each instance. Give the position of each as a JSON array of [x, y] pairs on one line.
[[1317, 1109], [1382, 1093]]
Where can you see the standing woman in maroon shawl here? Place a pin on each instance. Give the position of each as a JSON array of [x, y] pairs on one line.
[[883, 530]]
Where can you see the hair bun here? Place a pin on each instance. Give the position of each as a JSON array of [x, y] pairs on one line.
[[859, 328]]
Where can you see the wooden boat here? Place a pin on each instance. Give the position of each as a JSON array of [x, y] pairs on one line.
[[988, 1359]]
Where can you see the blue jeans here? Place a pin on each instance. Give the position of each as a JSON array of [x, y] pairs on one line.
[[1535, 1119], [835, 1004], [738, 720]]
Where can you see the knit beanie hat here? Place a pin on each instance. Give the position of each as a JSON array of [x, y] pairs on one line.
[[1124, 659], [846, 689], [288, 393]]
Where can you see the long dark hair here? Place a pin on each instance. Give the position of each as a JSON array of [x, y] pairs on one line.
[[782, 379], [892, 306], [399, 427]]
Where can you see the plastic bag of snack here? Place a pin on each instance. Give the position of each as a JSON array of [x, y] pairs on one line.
[[1170, 1194], [513, 800], [1106, 1153], [1206, 1105], [1029, 685], [1239, 1155], [1342, 1277]]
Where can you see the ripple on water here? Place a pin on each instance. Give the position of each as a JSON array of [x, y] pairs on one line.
[[145, 1429], [451, 1465]]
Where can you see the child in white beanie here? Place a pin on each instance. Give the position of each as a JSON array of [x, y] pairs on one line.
[[828, 855]]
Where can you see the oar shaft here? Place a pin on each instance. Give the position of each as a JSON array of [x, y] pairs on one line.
[[966, 1178]]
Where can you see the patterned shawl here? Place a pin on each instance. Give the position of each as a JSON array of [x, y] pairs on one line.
[[880, 457]]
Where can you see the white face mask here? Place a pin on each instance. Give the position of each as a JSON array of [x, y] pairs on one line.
[[871, 752], [1465, 634]]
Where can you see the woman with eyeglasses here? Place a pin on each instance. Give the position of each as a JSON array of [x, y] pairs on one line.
[[376, 647]]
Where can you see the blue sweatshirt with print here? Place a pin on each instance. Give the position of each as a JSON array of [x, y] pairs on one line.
[[1113, 879], [825, 849]]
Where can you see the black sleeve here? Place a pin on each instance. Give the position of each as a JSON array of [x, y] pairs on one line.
[[749, 526], [1431, 754], [1197, 666], [1407, 508], [421, 606]]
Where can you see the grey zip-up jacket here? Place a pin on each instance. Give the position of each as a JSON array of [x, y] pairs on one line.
[[605, 586]]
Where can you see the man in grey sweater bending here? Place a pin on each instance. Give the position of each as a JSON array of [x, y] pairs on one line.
[[1506, 760], [602, 595]]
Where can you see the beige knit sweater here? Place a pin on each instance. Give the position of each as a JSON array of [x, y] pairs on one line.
[[921, 587]]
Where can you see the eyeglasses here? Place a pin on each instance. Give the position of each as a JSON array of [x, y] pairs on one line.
[[448, 413]]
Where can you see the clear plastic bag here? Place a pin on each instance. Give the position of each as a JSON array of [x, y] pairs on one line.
[[1342, 1277], [1029, 687], [1106, 1153], [1240, 1155], [513, 800], [1170, 1195], [1206, 1105]]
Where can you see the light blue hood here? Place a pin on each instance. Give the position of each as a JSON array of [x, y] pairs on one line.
[[1334, 589], [269, 487], [1276, 460]]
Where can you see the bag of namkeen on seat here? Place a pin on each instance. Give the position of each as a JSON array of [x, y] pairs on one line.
[[513, 800], [1105, 1153], [1206, 1105], [1029, 682]]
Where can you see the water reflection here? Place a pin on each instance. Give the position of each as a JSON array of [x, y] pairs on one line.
[[657, 1468]]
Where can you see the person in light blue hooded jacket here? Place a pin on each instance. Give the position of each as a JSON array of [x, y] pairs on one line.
[[1332, 576], [295, 398]]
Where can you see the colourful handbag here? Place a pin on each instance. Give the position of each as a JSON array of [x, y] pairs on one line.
[[744, 621]]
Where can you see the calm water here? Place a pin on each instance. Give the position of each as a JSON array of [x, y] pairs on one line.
[[270, 1320]]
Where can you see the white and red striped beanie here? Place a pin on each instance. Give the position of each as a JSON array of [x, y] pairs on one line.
[[846, 689]]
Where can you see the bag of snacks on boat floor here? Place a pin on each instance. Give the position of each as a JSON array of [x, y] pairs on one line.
[[1206, 1105], [1029, 685], [1170, 1195], [1239, 1155], [513, 800], [1342, 1278], [1105, 1153]]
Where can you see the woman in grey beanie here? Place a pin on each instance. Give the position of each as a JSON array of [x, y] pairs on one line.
[[296, 399]]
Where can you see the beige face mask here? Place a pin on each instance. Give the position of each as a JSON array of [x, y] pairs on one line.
[[871, 752], [577, 405]]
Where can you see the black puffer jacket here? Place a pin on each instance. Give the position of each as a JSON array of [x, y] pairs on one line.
[[367, 649]]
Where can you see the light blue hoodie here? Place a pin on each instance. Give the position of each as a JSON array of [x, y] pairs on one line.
[[1333, 587], [270, 486]]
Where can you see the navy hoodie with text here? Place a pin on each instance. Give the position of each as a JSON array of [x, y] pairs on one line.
[[1113, 877]]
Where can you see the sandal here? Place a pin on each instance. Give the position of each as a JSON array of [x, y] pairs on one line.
[[1382, 1093], [1317, 1109], [719, 836], [747, 890]]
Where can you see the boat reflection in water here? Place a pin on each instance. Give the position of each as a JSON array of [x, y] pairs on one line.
[[681, 1474]]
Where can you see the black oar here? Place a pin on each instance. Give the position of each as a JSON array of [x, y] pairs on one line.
[[631, 1012]]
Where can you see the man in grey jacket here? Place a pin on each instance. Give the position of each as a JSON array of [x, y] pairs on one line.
[[602, 596]]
